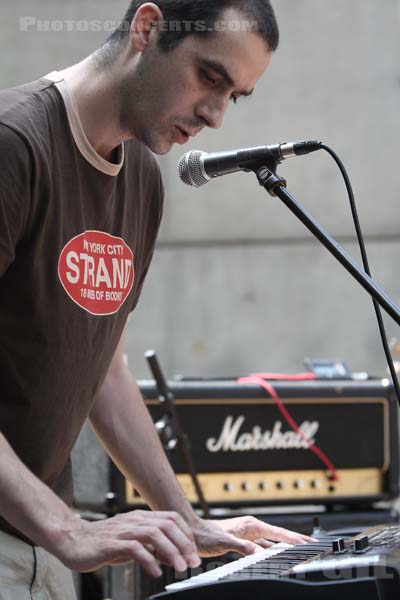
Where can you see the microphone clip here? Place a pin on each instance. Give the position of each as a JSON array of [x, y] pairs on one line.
[[270, 180]]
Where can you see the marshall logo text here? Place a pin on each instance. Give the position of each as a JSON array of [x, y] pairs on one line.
[[232, 439]]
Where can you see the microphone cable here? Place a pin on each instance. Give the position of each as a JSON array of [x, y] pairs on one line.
[[365, 261]]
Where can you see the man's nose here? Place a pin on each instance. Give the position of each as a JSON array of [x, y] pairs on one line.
[[212, 113]]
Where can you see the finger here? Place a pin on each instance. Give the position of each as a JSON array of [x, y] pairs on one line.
[[145, 559], [122, 553], [307, 539], [244, 547], [171, 515], [186, 546], [168, 552], [176, 530], [280, 534], [264, 543], [228, 542]]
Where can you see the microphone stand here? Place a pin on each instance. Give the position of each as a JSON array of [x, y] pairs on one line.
[[170, 428], [276, 186]]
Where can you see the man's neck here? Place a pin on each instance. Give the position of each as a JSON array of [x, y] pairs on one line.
[[97, 99]]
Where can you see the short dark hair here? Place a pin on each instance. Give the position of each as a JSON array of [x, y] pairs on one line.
[[200, 17]]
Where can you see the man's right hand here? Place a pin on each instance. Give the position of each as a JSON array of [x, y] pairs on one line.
[[147, 537], [142, 536]]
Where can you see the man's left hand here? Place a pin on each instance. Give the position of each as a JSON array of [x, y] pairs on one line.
[[245, 535]]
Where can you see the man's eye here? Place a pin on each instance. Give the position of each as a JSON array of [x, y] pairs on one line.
[[234, 99], [208, 77]]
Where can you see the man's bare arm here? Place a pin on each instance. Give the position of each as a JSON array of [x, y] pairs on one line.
[[28, 504], [123, 424]]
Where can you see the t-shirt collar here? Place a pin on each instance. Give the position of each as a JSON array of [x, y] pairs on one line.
[[78, 133]]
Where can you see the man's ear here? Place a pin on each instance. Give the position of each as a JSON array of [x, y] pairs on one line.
[[145, 26]]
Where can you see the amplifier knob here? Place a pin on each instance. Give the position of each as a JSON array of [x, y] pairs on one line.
[[263, 485], [245, 486], [316, 484], [280, 485], [299, 485], [228, 487]]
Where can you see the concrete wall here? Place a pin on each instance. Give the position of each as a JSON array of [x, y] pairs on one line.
[[237, 283]]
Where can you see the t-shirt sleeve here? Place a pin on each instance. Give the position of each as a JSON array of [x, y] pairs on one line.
[[15, 184]]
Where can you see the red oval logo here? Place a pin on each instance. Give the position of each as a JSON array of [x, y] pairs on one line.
[[96, 270]]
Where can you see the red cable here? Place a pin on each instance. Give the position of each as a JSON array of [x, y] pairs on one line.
[[282, 377], [258, 380]]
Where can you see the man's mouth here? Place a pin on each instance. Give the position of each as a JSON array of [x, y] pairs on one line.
[[182, 136]]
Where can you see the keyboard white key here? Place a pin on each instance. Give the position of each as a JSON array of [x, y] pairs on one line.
[[229, 569]]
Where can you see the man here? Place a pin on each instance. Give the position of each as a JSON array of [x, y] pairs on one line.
[[80, 206]]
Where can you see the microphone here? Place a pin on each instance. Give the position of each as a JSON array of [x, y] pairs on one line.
[[197, 168]]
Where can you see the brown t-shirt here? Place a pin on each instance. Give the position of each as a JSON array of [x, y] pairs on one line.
[[76, 238]]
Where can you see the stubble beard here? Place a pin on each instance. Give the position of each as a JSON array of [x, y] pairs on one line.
[[138, 118]]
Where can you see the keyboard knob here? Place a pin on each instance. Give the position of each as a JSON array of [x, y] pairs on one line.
[[361, 544], [338, 546]]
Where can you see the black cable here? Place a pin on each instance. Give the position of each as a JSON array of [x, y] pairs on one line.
[[34, 572], [366, 268]]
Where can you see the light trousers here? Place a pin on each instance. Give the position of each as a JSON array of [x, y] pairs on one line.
[[31, 573]]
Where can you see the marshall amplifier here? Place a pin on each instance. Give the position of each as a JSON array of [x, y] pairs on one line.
[[245, 453]]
